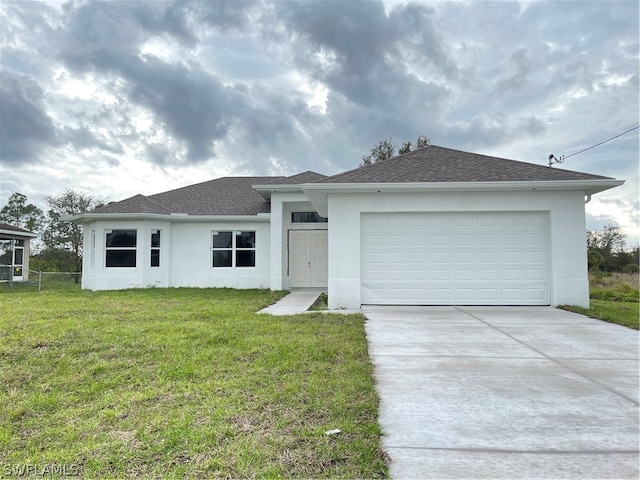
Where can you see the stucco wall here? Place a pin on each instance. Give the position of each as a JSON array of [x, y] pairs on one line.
[[185, 256], [567, 230]]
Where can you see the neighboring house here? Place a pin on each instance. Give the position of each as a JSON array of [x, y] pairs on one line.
[[435, 226], [14, 253]]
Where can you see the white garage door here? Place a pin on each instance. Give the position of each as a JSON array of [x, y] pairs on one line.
[[454, 258]]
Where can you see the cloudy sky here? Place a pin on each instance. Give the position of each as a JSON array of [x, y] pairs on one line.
[[117, 98]]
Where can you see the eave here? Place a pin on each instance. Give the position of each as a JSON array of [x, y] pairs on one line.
[[266, 190], [318, 192], [174, 217], [16, 234]]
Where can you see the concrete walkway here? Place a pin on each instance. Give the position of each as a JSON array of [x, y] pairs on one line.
[[505, 392], [298, 301]]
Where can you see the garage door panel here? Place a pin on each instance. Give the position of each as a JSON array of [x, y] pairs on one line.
[[511, 275], [440, 240], [451, 258], [534, 275]]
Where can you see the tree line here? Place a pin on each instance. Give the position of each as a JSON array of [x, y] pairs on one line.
[[59, 245]]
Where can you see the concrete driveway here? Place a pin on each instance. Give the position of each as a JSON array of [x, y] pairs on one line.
[[505, 392]]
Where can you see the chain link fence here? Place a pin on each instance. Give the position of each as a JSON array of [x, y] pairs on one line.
[[38, 281]]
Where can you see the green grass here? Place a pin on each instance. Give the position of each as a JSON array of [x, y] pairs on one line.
[[622, 313], [184, 383], [614, 298]]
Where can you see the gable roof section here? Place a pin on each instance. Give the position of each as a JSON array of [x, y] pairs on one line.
[[222, 196], [304, 177], [439, 164], [436, 168]]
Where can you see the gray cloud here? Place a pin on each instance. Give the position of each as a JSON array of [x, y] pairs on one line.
[[101, 35], [225, 15], [84, 138], [25, 128], [193, 104]]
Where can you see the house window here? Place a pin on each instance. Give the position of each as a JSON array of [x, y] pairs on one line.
[[11, 259], [93, 248], [234, 249], [121, 248], [307, 217], [155, 248], [6, 263], [18, 258]]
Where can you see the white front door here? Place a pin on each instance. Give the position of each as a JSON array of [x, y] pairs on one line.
[[308, 254]]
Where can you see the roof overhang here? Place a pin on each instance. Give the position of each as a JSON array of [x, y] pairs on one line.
[[15, 234], [266, 190], [174, 217], [319, 192]]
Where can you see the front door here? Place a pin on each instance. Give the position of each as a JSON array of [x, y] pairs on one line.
[[308, 254]]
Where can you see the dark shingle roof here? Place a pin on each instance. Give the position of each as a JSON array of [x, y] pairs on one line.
[[11, 228], [135, 204], [438, 164], [236, 196], [304, 177], [223, 196]]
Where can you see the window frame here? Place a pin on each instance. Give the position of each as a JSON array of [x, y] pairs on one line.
[[307, 217], [155, 249], [128, 248], [233, 249]]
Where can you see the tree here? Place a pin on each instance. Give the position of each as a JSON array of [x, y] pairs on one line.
[[62, 239], [21, 214], [594, 260], [386, 149], [608, 241], [606, 250]]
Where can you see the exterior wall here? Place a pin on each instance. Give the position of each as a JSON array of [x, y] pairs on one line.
[[185, 256], [567, 255], [191, 257]]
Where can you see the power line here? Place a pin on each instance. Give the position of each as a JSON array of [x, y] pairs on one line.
[[553, 159]]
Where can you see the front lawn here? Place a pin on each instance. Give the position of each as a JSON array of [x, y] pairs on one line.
[[183, 383], [614, 299]]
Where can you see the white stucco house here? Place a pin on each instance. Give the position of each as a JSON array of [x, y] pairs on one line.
[[435, 226]]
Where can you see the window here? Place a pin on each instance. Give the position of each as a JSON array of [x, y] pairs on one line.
[[307, 217], [93, 248], [234, 249], [121, 248], [155, 248], [6, 252], [11, 258], [18, 258]]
